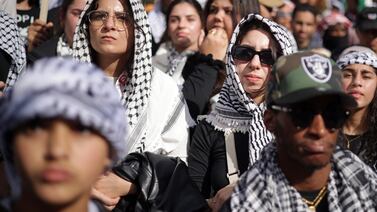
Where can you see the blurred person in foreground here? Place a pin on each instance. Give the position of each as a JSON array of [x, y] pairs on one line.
[[50, 131]]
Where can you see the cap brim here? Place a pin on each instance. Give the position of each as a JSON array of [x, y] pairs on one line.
[[272, 3], [346, 101]]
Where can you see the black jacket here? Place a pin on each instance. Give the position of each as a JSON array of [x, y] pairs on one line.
[[163, 184], [46, 49]]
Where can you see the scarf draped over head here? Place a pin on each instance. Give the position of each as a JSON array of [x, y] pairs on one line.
[[135, 93], [351, 186], [12, 44], [358, 57], [235, 111]]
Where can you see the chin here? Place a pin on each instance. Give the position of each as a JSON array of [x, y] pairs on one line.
[[315, 164], [58, 195]]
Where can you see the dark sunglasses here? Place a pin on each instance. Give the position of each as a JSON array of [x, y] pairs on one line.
[[333, 116], [245, 54]]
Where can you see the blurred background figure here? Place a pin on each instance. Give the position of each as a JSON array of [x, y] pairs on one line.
[[157, 21], [366, 27], [304, 27], [337, 32], [268, 8], [284, 14], [60, 44]]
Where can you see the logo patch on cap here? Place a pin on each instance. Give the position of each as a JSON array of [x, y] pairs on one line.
[[317, 68]]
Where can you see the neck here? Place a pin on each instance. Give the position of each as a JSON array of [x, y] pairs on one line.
[[25, 202], [112, 66], [355, 124], [23, 5], [303, 44], [308, 178], [257, 98]]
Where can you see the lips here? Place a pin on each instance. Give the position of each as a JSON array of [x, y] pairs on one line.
[[181, 34], [252, 77], [108, 38], [355, 94], [55, 175]]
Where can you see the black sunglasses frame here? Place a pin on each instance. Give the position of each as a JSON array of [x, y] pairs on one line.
[[302, 119], [246, 53]]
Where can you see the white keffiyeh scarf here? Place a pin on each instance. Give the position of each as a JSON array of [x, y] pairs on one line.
[[136, 92], [62, 48], [12, 44], [235, 111], [357, 57]]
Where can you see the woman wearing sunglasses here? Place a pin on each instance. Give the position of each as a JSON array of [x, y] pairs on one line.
[[115, 35], [360, 81], [237, 121]]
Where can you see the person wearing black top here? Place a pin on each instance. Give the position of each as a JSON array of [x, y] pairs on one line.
[[239, 111], [359, 133]]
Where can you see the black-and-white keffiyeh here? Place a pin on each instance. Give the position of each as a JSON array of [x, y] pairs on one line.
[[136, 92], [175, 58], [235, 111], [12, 44], [352, 186], [357, 57], [62, 48]]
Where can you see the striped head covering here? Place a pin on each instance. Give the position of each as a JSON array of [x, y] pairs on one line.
[[235, 111], [136, 91], [12, 44], [364, 56], [66, 89]]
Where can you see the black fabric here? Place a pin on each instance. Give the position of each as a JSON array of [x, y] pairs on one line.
[[207, 158], [5, 62], [46, 49], [323, 206], [163, 184], [200, 74]]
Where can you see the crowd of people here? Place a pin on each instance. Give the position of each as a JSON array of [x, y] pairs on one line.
[[214, 105]]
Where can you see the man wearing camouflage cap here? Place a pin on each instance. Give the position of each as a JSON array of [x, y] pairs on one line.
[[303, 169]]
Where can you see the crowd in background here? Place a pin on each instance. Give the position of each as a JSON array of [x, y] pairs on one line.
[[188, 105]]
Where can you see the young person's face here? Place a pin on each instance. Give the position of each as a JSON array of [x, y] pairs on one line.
[[303, 26], [58, 160], [254, 72], [360, 81], [220, 15], [111, 29], [309, 146], [184, 27], [72, 16]]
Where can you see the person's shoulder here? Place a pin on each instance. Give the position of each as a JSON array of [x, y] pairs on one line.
[[164, 82], [46, 49]]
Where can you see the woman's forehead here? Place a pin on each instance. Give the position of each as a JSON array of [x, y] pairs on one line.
[[112, 5]]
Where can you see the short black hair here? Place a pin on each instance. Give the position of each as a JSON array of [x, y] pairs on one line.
[[304, 8]]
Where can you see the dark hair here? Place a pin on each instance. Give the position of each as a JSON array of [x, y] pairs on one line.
[[243, 8], [193, 3], [371, 138], [240, 7], [256, 24], [305, 8]]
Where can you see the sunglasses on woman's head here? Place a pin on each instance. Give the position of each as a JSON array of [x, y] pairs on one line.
[[333, 116], [246, 53]]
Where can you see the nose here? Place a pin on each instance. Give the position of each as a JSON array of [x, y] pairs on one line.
[[255, 62], [219, 16], [356, 80], [317, 127], [58, 141], [109, 23], [182, 23]]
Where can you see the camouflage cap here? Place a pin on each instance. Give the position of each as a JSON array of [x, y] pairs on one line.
[[302, 76]]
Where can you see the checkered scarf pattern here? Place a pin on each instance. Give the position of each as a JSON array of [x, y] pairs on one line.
[[136, 93], [352, 186], [358, 57], [12, 44], [235, 111]]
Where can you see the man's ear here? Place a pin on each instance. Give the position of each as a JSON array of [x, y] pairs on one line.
[[270, 120]]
